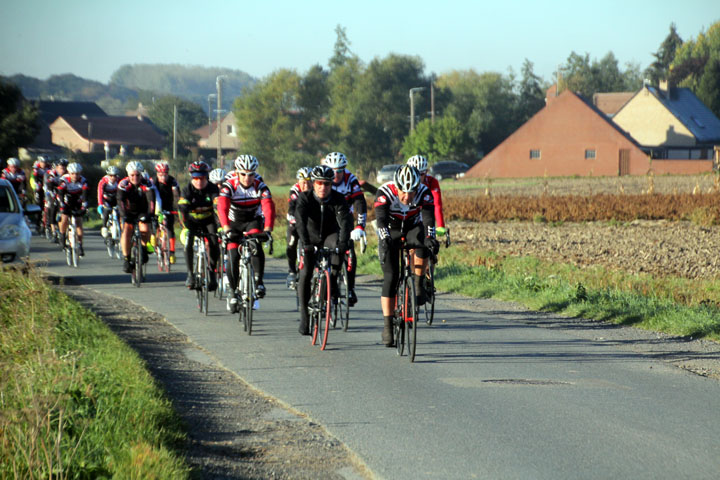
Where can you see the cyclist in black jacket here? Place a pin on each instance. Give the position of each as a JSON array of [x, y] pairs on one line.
[[322, 219]]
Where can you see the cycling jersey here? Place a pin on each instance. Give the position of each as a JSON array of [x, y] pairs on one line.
[[16, 178], [315, 220], [38, 177], [349, 186], [391, 213], [197, 205], [166, 192], [238, 204], [72, 195], [107, 192], [434, 186], [295, 191], [134, 201]]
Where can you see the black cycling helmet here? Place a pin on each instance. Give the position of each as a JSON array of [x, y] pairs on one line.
[[199, 169], [322, 172], [63, 161]]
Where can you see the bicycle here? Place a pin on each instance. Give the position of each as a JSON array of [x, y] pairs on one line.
[[342, 305], [406, 306], [429, 284], [163, 243], [137, 276], [246, 277], [320, 305], [201, 269], [72, 249], [114, 231]]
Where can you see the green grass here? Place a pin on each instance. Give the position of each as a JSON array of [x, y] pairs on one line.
[[76, 401]]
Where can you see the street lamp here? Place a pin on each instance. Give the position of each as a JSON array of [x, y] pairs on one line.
[[218, 85], [412, 106]]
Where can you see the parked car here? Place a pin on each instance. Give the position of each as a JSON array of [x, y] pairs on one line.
[[448, 169], [14, 231], [386, 173]]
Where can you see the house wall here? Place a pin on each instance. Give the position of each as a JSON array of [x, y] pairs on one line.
[[681, 167], [651, 124], [65, 136], [228, 141], [562, 131]]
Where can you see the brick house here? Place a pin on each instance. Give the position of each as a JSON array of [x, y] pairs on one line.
[[569, 136], [91, 134], [671, 124]]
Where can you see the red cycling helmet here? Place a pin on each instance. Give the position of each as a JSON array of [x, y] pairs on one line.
[[162, 167]]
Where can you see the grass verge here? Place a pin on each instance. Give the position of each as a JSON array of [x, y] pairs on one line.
[[76, 402]]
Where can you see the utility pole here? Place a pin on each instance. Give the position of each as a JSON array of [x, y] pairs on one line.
[[218, 85], [174, 132], [432, 103], [212, 95], [412, 106]]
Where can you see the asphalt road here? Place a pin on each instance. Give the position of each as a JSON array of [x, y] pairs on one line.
[[490, 395]]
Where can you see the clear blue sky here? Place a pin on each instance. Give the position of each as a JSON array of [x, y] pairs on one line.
[[92, 38]]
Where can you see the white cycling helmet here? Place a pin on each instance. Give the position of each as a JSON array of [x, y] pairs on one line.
[[74, 168], [217, 175], [335, 160], [13, 162], [419, 162], [407, 178], [303, 173], [134, 166], [246, 163]]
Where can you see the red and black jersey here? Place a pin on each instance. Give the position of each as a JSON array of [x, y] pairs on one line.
[[52, 180], [434, 186], [134, 199], [238, 204], [349, 186], [393, 214], [107, 191], [292, 201], [16, 178], [72, 193], [38, 176]]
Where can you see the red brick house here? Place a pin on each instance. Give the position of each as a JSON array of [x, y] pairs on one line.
[[567, 137]]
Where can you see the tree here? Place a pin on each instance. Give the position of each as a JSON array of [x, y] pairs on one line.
[[341, 50], [314, 103], [660, 68], [531, 94], [19, 123], [441, 140], [190, 116], [269, 121]]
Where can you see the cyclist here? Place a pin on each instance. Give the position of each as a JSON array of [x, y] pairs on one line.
[[167, 189], [403, 208], [53, 177], [134, 199], [322, 219], [37, 179], [107, 196], [217, 176], [348, 184], [16, 176], [196, 214], [245, 206], [421, 163], [304, 183], [72, 197]]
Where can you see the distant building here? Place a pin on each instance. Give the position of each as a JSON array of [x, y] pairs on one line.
[[91, 134], [571, 136]]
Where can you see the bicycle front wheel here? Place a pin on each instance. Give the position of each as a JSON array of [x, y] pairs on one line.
[[410, 316], [342, 307], [327, 311], [429, 306], [137, 259]]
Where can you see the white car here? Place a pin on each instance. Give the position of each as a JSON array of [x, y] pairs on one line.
[[14, 231]]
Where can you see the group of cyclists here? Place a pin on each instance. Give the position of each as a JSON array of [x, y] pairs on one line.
[[326, 208]]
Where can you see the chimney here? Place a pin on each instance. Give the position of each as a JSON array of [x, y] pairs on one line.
[[664, 88], [551, 94]]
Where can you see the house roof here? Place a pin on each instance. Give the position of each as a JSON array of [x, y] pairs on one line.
[[50, 111], [117, 130], [609, 103], [687, 108]]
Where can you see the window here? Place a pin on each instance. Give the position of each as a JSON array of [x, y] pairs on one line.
[[534, 154], [590, 154], [229, 129]]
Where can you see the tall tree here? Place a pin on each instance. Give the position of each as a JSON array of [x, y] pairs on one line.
[[531, 94], [442, 140], [341, 50], [314, 103], [18, 120], [660, 68]]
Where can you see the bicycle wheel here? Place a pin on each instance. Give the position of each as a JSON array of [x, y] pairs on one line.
[[429, 306], [137, 275], [410, 316], [315, 307], [75, 249], [342, 307], [327, 310], [250, 300], [220, 290], [199, 269], [159, 254], [206, 283]]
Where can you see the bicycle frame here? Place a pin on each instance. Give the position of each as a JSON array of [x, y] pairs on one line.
[[320, 304]]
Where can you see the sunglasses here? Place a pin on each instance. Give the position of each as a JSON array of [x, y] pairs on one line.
[[322, 184], [246, 174]]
